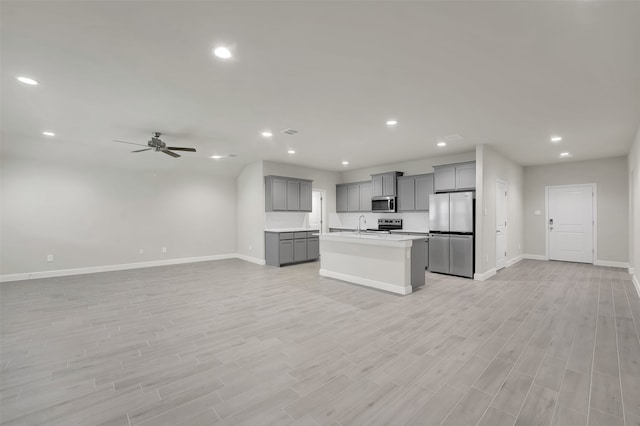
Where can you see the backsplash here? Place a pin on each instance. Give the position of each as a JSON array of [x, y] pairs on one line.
[[277, 220], [418, 221]]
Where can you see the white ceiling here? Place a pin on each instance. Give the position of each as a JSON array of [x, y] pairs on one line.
[[509, 74]]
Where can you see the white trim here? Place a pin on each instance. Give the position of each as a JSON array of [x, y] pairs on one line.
[[515, 260], [535, 257], [123, 266], [367, 282], [246, 258], [611, 263], [506, 217], [482, 277], [636, 284]]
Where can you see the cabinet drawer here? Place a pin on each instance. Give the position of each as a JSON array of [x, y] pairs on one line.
[[286, 235], [300, 235]]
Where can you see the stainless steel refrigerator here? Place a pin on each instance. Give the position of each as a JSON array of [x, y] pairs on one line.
[[451, 225]]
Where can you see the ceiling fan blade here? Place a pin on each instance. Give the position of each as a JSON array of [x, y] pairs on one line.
[[140, 150], [177, 148], [130, 143], [173, 154]]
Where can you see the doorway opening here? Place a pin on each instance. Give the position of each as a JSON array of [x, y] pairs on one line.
[[501, 224], [318, 215]]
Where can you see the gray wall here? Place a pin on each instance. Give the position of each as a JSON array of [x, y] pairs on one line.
[[634, 208], [92, 216], [612, 180], [491, 166], [250, 206]]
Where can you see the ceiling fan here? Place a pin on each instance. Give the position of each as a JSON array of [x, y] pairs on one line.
[[157, 145]]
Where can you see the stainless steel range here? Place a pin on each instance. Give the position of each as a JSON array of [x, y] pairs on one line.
[[387, 225]]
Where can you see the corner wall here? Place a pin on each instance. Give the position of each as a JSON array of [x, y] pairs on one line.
[[633, 161], [612, 180], [250, 207], [490, 166]]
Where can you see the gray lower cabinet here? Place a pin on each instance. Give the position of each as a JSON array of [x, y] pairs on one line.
[[284, 194], [282, 248]]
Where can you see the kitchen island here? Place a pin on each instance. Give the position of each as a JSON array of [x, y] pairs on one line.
[[393, 263]]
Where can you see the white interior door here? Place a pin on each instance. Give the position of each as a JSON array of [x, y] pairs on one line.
[[501, 224], [316, 219], [570, 223]]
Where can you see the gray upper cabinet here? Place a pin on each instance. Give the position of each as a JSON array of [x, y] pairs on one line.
[[287, 194], [365, 196], [406, 193], [424, 188], [305, 196], [342, 198], [293, 195], [353, 197], [384, 184], [413, 192], [455, 177]]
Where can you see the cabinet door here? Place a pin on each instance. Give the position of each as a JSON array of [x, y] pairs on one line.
[[286, 251], [299, 250], [305, 196], [342, 198], [279, 194], [313, 248], [376, 180], [466, 176], [445, 178], [293, 195], [406, 194], [389, 184], [354, 197], [424, 188], [365, 197]]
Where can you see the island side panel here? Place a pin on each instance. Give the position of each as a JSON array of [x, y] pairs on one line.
[[418, 256], [383, 267]]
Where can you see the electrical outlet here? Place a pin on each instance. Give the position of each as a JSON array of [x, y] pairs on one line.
[[141, 251], [164, 249], [49, 258]]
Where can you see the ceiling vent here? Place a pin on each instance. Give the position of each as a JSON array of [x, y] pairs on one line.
[[290, 132]]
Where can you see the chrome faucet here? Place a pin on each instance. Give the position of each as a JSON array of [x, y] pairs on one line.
[[365, 221]]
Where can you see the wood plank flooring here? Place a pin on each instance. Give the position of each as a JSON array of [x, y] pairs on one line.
[[233, 343]]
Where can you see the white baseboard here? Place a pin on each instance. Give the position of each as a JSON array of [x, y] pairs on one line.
[[124, 266], [535, 257], [367, 282], [636, 284], [486, 275], [510, 262], [250, 259], [611, 263]]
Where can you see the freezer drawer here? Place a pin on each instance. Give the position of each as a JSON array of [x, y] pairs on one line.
[[439, 212], [461, 212], [439, 253], [461, 255]]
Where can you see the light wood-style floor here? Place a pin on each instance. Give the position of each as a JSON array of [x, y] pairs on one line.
[[229, 342]]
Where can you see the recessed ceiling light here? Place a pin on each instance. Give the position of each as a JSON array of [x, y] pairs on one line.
[[556, 138], [216, 157], [565, 154], [291, 151], [392, 122], [345, 163], [27, 80], [48, 133], [222, 52], [441, 143], [267, 134]]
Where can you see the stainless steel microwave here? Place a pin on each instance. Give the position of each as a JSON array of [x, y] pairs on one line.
[[383, 204]]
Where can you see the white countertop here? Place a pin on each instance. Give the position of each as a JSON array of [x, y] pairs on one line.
[[410, 231], [292, 230], [372, 239]]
